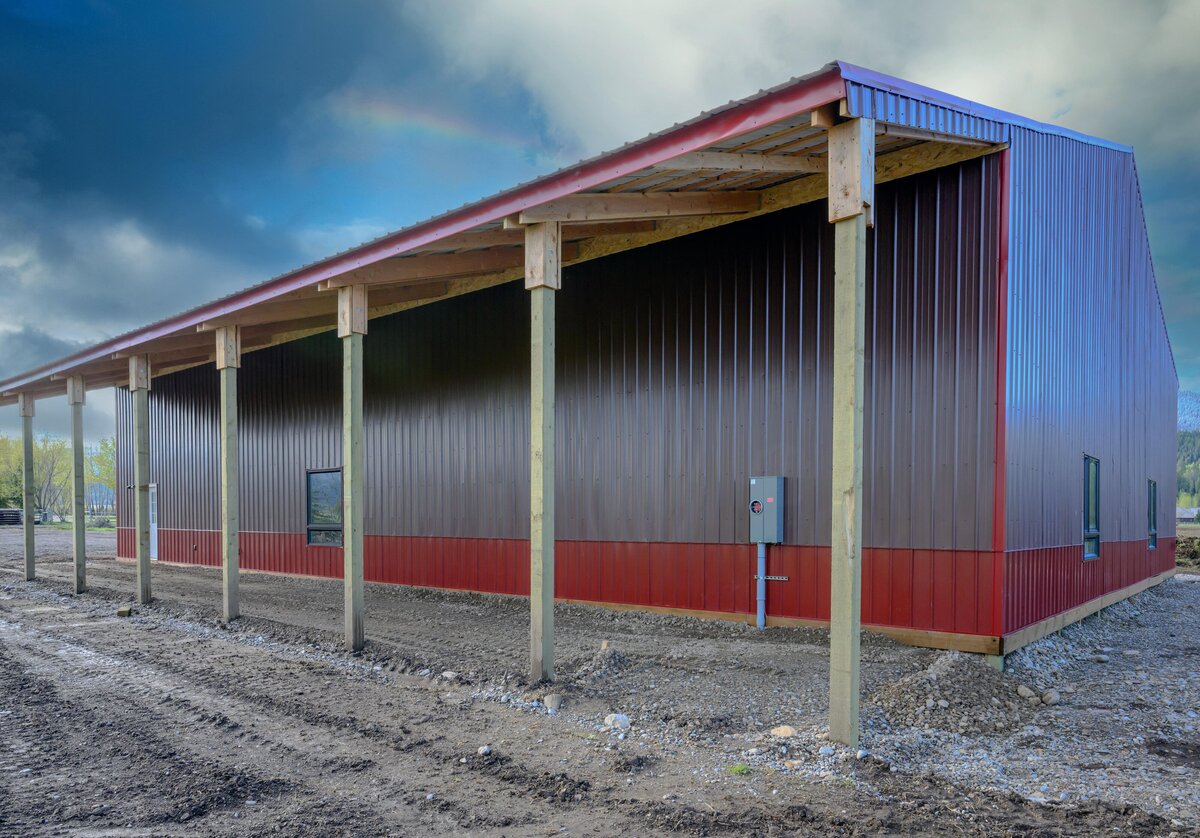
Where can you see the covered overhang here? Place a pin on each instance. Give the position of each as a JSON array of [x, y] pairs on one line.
[[748, 158]]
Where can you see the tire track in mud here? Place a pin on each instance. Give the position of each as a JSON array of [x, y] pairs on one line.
[[361, 750], [217, 717]]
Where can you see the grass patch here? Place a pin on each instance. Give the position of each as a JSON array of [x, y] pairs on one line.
[[741, 769]]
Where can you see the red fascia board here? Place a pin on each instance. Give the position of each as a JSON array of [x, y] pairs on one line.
[[804, 95]]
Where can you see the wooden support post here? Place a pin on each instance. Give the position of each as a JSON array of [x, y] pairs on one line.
[[851, 195], [76, 398], [543, 277], [26, 403], [229, 358], [139, 387], [352, 325]]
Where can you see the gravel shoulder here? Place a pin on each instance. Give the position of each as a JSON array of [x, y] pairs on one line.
[[169, 723]]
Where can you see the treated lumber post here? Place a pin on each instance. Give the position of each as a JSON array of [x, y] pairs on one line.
[[229, 359], [543, 278], [352, 325], [26, 403], [851, 196], [139, 387], [76, 398]]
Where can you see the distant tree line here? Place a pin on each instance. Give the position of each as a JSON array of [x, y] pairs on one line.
[[1188, 469], [52, 486]]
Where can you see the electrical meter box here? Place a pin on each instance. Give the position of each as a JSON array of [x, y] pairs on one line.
[[766, 510]]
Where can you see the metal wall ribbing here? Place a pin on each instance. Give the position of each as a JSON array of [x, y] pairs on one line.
[[684, 368], [1090, 368]]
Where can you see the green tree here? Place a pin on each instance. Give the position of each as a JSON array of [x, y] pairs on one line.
[[52, 475], [10, 472], [101, 470]]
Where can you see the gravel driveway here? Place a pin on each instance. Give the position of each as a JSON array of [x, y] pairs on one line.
[[168, 723]]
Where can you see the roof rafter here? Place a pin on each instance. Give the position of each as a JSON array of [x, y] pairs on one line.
[[618, 205], [725, 161]]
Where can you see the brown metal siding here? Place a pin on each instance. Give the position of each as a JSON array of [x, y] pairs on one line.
[[683, 369], [1090, 368]]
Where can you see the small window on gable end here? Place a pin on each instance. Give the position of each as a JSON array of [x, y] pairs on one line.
[[1152, 514], [324, 508], [1091, 507]]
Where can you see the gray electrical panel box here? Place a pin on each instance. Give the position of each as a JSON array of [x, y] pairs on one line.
[[766, 510]]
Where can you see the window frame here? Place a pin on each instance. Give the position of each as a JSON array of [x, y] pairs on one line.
[[309, 526], [1152, 514], [1091, 535]]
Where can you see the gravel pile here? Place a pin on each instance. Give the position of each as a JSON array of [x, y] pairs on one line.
[[957, 693], [605, 663]]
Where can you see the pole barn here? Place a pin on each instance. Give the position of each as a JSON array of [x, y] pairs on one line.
[[857, 350]]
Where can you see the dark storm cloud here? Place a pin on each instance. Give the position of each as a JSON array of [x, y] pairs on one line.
[[28, 347], [152, 109]]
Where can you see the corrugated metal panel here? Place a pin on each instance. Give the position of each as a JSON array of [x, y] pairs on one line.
[[1090, 368], [1042, 582], [901, 108], [683, 369], [943, 590], [1090, 371]]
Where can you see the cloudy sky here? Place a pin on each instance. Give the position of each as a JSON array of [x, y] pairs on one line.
[[154, 156]]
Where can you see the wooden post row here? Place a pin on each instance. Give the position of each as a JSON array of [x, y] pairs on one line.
[[26, 404], [76, 396], [543, 276], [352, 325], [139, 387], [229, 359], [851, 194]]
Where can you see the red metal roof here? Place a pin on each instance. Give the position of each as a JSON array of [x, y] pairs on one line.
[[798, 96]]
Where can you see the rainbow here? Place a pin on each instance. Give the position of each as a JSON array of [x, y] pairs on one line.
[[379, 113]]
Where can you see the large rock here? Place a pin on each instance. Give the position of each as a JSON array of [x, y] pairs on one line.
[[617, 721]]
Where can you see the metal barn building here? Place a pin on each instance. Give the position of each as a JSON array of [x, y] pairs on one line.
[[979, 330]]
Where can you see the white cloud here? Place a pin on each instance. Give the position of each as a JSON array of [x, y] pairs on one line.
[[319, 242], [607, 72]]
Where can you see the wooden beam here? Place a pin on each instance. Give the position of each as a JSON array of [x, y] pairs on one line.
[[906, 133], [851, 170], [851, 189], [615, 205], [229, 359], [412, 269], [353, 497], [543, 247], [514, 236], [139, 386], [825, 117], [352, 310], [720, 161], [27, 409], [543, 273], [1012, 642], [76, 395], [228, 347], [273, 313], [899, 164]]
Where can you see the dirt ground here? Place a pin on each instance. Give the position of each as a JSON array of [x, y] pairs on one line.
[[168, 723]]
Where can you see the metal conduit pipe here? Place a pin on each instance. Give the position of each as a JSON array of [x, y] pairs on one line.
[[762, 586]]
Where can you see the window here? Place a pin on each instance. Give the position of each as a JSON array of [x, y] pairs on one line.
[[325, 508], [1152, 514], [1091, 507]]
